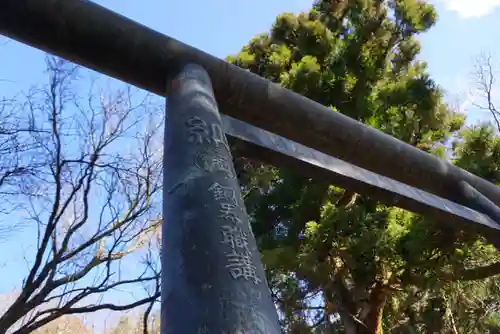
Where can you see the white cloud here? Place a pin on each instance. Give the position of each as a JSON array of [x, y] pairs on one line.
[[467, 9]]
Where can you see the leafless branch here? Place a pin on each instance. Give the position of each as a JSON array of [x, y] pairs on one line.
[[484, 74], [94, 200], [19, 163]]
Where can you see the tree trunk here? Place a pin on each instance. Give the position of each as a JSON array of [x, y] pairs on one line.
[[373, 317], [370, 320]]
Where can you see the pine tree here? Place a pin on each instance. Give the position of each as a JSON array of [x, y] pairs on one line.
[[338, 261]]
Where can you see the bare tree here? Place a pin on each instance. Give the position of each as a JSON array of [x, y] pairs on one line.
[[63, 325], [18, 158], [95, 204], [484, 77], [133, 324]]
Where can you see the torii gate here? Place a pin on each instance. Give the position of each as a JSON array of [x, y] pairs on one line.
[[213, 280]]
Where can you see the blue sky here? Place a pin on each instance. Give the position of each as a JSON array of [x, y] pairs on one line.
[[222, 27]]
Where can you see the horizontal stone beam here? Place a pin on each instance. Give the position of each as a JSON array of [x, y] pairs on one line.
[[273, 149], [102, 40]]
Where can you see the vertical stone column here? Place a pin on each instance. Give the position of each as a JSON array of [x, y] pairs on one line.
[[213, 279]]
